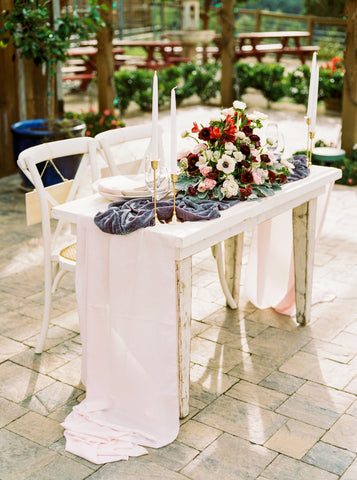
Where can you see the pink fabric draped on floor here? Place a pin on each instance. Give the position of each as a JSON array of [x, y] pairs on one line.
[[127, 314], [269, 279]]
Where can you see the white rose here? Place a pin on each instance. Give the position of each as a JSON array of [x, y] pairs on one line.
[[229, 188], [241, 135], [229, 147], [237, 105], [238, 156]]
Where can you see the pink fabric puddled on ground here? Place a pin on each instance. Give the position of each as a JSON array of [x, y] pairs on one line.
[[127, 311]]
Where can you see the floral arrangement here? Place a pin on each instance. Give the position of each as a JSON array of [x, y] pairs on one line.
[[97, 122], [228, 160]]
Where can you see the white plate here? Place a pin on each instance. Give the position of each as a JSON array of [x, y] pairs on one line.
[[128, 187]]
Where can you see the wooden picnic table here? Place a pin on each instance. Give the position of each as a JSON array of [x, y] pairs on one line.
[[283, 43], [158, 53], [82, 64]]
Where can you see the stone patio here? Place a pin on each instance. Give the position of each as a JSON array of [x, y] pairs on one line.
[[269, 400]]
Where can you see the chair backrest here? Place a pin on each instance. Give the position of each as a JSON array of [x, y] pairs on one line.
[[125, 148], [28, 161]]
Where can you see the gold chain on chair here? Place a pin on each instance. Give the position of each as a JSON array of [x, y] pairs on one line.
[[69, 252]]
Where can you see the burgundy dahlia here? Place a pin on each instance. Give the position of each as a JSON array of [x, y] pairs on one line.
[[205, 134], [246, 177], [272, 176], [244, 148], [192, 191]]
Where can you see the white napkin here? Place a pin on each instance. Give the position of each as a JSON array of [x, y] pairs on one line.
[[122, 185]]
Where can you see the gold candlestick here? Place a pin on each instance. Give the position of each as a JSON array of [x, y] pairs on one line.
[[154, 166], [174, 180], [308, 123], [312, 135]]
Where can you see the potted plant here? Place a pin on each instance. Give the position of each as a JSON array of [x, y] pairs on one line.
[[44, 39]]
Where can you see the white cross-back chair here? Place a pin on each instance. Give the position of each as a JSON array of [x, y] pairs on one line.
[[124, 149], [58, 259]]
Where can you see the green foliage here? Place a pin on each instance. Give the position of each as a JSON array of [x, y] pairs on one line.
[[286, 6], [348, 166], [96, 122], [269, 79], [30, 26], [325, 8], [204, 81], [245, 74], [298, 84]]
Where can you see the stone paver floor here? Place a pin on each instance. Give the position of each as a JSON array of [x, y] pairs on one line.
[[269, 400]]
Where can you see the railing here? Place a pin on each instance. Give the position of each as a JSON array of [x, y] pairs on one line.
[[322, 29]]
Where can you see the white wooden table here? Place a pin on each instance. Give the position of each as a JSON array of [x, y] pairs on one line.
[[193, 237]]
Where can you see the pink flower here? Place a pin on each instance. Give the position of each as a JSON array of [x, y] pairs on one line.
[[101, 121], [209, 183], [113, 122], [107, 112], [92, 110], [87, 133], [257, 178], [199, 147], [205, 170]]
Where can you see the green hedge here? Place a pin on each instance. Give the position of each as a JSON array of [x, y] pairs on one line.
[[272, 80]]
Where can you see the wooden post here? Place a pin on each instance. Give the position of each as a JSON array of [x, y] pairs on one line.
[[36, 91], [9, 109], [105, 63], [258, 20], [227, 53], [349, 99]]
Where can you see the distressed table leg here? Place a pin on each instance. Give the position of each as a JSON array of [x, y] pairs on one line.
[[233, 252], [183, 315], [304, 226]]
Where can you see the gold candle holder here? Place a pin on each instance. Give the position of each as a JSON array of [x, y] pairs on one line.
[[154, 166], [312, 136], [308, 123], [174, 180]]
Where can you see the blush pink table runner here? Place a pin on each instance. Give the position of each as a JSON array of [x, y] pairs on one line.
[[127, 314]]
